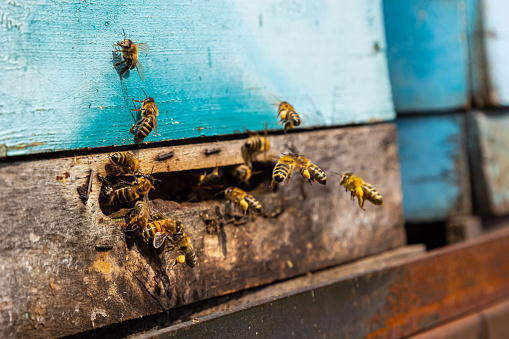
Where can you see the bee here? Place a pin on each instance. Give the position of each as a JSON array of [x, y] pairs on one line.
[[310, 171], [245, 201], [211, 180], [180, 240], [283, 169], [148, 121], [242, 172], [126, 161], [139, 216], [126, 194], [130, 52], [159, 230], [288, 115], [361, 189], [253, 145]]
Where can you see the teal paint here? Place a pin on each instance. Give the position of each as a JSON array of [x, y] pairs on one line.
[[213, 67], [427, 51], [434, 167]]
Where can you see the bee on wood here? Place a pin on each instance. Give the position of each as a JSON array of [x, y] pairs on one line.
[[283, 169], [242, 199], [132, 192], [140, 215], [148, 121], [130, 52], [126, 161], [254, 144], [361, 189], [288, 116], [211, 180], [181, 241], [310, 171]]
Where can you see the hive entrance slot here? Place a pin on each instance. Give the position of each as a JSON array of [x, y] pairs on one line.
[[189, 187]]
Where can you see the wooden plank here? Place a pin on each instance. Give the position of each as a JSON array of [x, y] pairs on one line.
[[69, 287], [461, 228], [434, 167], [405, 298], [495, 318], [213, 67], [488, 143], [491, 45], [469, 327], [427, 53], [228, 302]]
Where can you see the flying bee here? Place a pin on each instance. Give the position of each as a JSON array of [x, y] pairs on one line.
[[361, 189], [126, 194], [283, 169], [148, 121], [130, 52], [242, 172], [211, 180], [254, 144], [288, 116], [242, 199], [126, 161], [310, 171]]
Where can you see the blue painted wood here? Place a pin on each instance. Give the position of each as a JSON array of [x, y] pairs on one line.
[[213, 68], [434, 167], [427, 53]]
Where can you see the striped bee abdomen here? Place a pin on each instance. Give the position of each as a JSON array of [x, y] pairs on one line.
[[317, 174], [125, 194], [372, 194], [281, 171], [146, 126], [253, 203], [152, 229]]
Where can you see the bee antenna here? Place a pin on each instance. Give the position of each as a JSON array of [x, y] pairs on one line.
[[133, 117], [276, 97], [124, 34], [337, 173], [146, 96], [220, 192]]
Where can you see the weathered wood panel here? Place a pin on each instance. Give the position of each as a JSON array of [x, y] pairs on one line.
[[434, 167], [213, 68], [405, 298], [491, 42], [489, 142], [54, 282], [228, 302], [427, 53]]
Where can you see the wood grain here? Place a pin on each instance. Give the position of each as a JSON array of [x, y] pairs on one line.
[[488, 143], [55, 282], [213, 67]]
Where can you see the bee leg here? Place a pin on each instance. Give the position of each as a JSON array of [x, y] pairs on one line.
[[286, 127], [118, 63], [125, 69], [360, 196]]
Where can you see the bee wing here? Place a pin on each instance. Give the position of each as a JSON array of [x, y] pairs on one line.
[[141, 71], [154, 116], [159, 239], [143, 48]]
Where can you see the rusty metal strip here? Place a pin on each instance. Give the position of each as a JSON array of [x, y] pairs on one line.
[[400, 300]]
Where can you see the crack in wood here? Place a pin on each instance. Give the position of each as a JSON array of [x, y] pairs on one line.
[[146, 289]]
